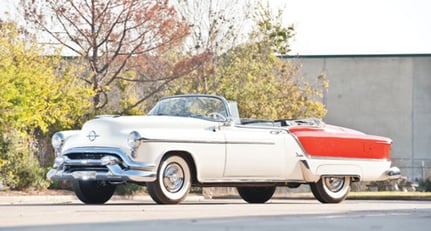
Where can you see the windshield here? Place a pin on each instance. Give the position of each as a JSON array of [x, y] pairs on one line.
[[204, 107]]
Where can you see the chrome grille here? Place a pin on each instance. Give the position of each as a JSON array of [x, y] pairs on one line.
[[84, 156], [86, 168]]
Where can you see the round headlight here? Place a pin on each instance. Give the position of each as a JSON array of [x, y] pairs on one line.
[[57, 141], [133, 139]]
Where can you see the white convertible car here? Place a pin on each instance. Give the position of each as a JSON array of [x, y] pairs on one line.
[[200, 140]]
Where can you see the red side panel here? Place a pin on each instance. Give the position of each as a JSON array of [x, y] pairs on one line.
[[332, 141]]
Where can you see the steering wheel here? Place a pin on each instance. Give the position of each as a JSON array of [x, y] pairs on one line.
[[216, 116]]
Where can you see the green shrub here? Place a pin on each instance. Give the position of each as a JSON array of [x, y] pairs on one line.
[[39, 95], [20, 168], [425, 185], [61, 184]]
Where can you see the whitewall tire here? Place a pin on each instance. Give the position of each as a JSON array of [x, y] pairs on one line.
[[173, 181], [331, 189]]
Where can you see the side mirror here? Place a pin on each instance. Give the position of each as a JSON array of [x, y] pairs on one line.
[[228, 123]]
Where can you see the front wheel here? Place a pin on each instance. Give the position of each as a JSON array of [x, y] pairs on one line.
[[93, 192], [173, 181], [331, 189], [256, 194]]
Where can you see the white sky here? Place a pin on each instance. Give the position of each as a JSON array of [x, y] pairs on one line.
[[359, 26], [325, 27]]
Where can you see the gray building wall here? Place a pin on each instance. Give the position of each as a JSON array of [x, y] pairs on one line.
[[386, 95]]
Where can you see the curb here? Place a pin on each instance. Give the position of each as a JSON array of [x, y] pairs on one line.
[[69, 199], [37, 199]]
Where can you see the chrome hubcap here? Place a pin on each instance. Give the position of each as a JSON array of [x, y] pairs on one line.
[[334, 184], [173, 177]]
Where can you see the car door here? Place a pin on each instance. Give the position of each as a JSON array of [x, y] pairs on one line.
[[254, 151]]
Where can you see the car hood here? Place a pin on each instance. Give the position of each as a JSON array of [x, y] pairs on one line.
[[112, 131]]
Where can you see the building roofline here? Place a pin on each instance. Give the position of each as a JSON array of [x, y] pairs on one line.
[[355, 56]]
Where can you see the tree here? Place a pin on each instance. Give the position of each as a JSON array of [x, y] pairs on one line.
[[35, 100], [108, 34], [264, 85], [270, 30], [152, 75], [216, 26]]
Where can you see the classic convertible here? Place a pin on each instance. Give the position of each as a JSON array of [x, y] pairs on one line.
[[200, 140]]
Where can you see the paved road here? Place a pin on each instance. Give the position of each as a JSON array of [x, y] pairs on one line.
[[66, 213]]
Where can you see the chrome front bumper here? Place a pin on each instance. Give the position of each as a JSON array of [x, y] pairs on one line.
[[115, 165]]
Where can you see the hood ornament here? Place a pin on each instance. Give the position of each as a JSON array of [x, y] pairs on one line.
[[92, 136]]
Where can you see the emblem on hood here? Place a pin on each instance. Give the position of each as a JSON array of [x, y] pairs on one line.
[[92, 136]]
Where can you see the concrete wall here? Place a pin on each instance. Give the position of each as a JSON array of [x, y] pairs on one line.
[[387, 95]]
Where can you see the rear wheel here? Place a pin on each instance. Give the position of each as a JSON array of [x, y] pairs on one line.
[[256, 194], [93, 192], [331, 189], [173, 181]]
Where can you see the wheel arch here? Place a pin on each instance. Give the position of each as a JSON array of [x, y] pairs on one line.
[[187, 156]]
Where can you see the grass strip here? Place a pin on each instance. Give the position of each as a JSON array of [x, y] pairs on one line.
[[390, 195]]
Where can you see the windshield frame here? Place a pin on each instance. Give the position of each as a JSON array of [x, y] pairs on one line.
[[225, 110]]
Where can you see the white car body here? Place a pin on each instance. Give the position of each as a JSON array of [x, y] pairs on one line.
[[218, 150]]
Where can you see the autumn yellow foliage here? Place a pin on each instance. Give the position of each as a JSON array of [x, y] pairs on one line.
[[39, 94]]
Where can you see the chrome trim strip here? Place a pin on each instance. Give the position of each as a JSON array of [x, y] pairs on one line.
[[148, 140], [256, 143], [92, 149], [345, 158], [242, 180], [299, 144], [81, 162]]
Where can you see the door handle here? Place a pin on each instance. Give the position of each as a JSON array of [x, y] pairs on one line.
[[275, 132]]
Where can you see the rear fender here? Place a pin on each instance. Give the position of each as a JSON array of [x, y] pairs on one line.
[[313, 171]]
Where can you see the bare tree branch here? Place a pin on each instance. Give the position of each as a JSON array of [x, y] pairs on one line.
[[108, 33]]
